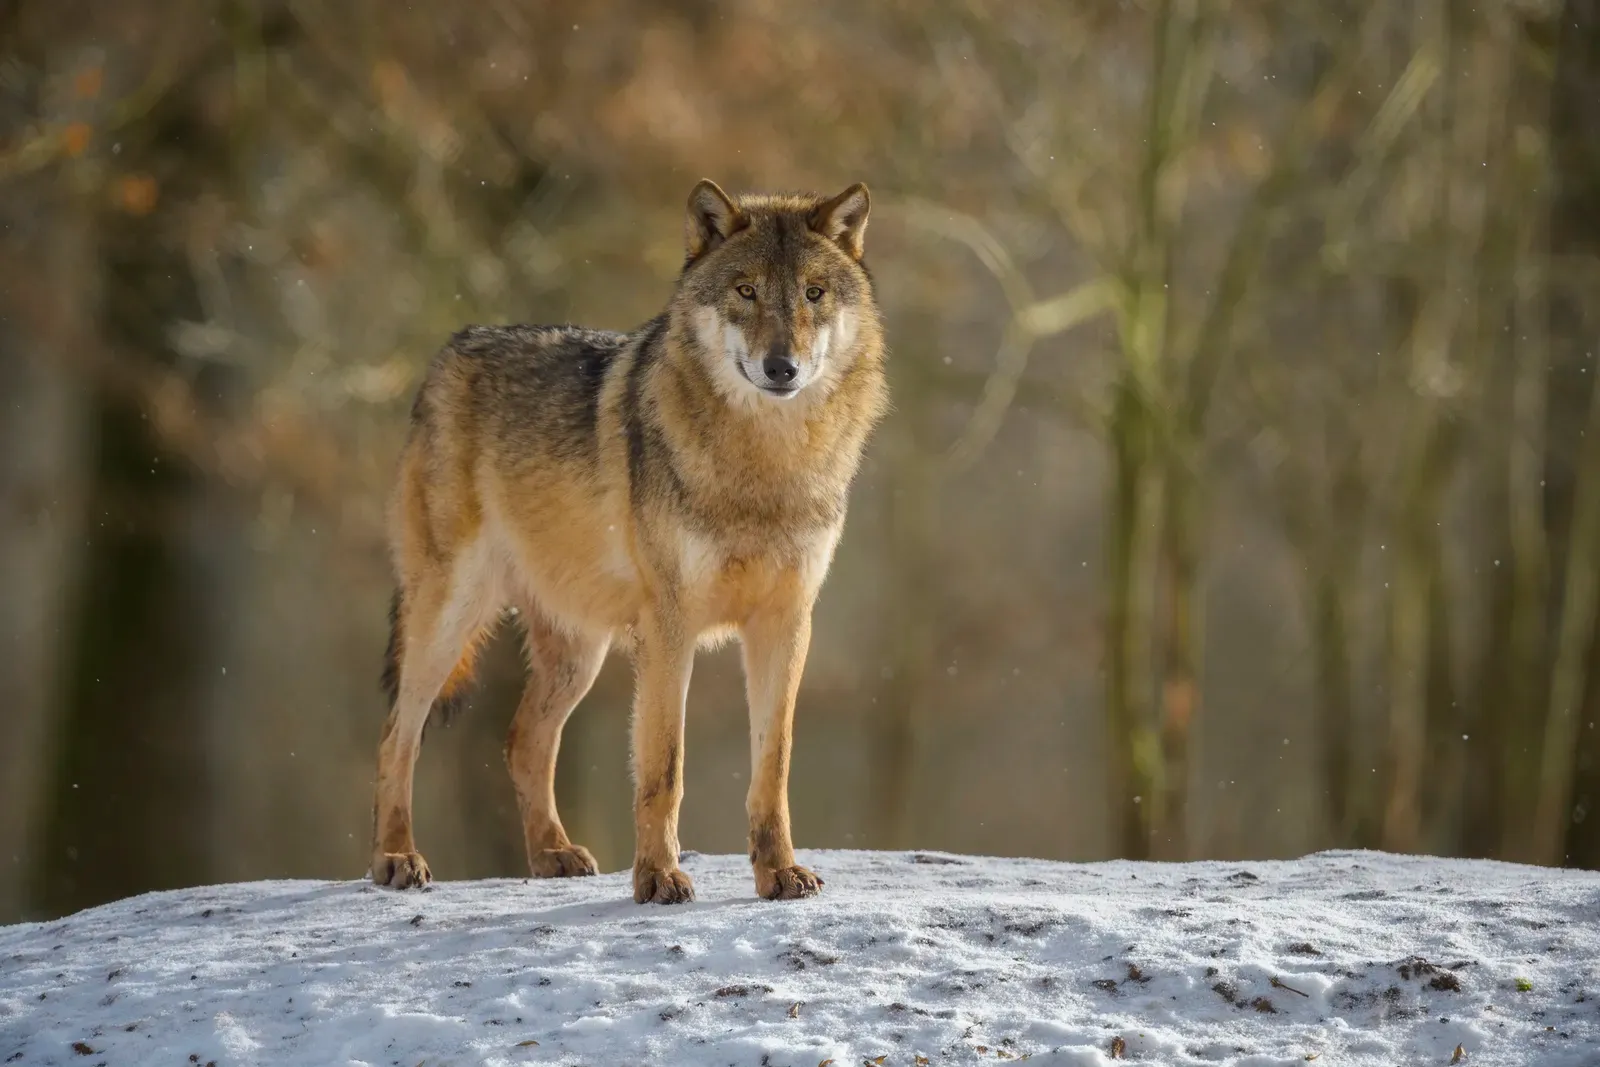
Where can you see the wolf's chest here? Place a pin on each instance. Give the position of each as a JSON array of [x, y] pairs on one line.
[[724, 581]]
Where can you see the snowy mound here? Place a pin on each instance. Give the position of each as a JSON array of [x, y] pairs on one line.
[[1351, 958]]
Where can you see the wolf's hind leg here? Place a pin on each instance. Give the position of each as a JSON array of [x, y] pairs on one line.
[[561, 669], [441, 615]]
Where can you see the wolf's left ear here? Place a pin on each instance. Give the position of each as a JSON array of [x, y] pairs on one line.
[[844, 219], [713, 218]]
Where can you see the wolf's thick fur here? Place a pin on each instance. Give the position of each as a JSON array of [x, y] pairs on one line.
[[669, 487]]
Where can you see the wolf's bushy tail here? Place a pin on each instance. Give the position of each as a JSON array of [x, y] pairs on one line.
[[453, 696]]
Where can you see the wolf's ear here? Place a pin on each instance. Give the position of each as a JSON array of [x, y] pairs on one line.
[[712, 219], [844, 219]]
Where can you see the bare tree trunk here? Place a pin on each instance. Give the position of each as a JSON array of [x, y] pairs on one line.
[[1575, 638], [1462, 131], [1583, 824], [1326, 607], [1181, 659], [1408, 652], [1530, 547], [156, 603], [912, 521], [44, 451], [1141, 429], [1330, 635], [1441, 808], [1560, 815], [1478, 781], [1130, 569]]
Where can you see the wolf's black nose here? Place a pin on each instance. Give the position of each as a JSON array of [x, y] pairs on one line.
[[780, 369]]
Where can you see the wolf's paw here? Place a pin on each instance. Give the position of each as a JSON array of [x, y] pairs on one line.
[[570, 862], [786, 883], [661, 887], [401, 870]]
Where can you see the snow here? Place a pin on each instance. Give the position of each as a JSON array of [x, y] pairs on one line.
[[1354, 958]]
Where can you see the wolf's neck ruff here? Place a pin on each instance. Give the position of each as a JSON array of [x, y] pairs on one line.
[[682, 482]]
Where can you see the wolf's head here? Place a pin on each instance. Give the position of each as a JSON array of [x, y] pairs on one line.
[[776, 300]]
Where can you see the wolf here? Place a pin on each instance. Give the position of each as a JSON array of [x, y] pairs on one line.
[[660, 490]]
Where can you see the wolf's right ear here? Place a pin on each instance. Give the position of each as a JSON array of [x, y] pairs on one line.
[[712, 219]]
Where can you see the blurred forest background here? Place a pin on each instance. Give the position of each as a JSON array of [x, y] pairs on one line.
[[1241, 498]]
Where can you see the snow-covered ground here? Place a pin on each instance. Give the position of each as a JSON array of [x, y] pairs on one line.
[[1344, 959]]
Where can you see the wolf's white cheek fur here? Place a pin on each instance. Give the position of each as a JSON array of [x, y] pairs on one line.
[[708, 330], [832, 347], [734, 343], [725, 346], [721, 339], [819, 347], [846, 325]]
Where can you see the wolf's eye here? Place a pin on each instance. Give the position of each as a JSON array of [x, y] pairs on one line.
[[814, 293], [746, 291]]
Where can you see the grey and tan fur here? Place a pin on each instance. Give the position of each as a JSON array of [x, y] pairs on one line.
[[666, 488]]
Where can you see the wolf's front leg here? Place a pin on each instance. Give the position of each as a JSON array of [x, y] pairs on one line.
[[775, 646], [663, 662]]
